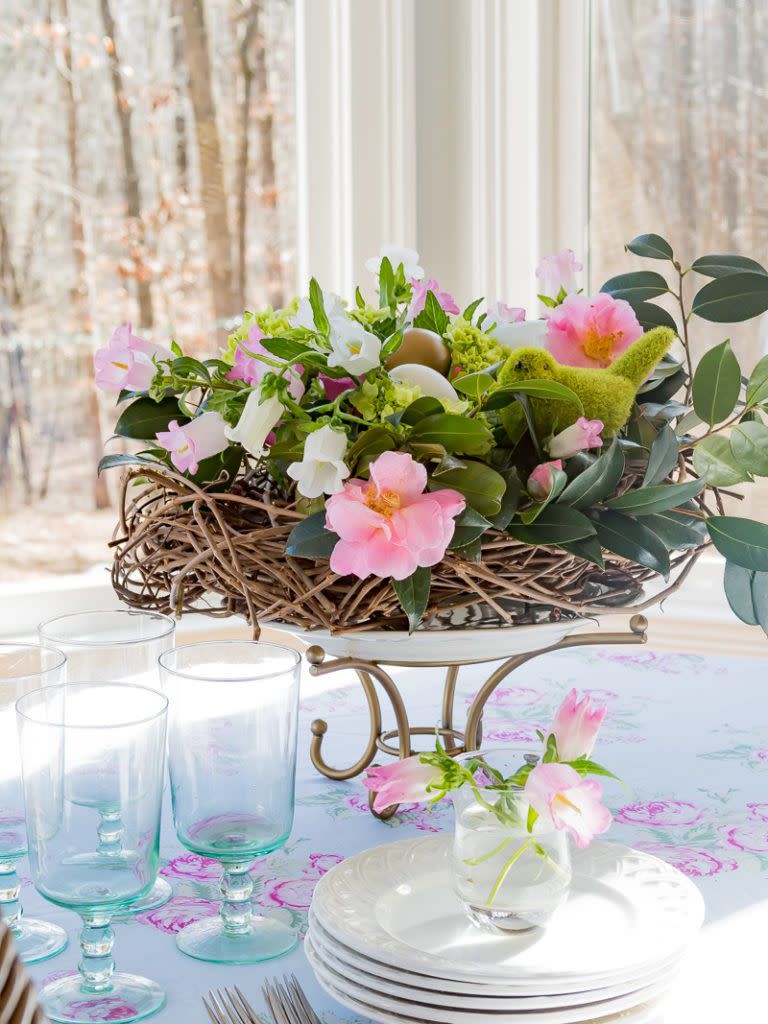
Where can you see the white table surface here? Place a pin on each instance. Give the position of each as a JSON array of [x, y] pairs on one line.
[[689, 734]]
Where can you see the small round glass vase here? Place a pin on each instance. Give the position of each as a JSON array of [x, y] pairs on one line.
[[507, 878]]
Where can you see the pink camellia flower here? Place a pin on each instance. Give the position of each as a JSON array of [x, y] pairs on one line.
[[585, 331], [199, 439], [542, 480], [558, 271], [405, 781], [578, 437], [251, 370], [576, 725], [565, 800], [419, 297], [126, 362], [388, 526]]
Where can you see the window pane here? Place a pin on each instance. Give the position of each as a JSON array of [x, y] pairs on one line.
[[146, 175]]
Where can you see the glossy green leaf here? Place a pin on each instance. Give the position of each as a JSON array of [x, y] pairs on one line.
[[715, 462], [471, 309], [757, 386], [716, 384], [475, 385], [222, 468], [509, 500], [637, 286], [749, 444], [283, 348], [318, 307], [386, 283], [482, 486], [737, 583], [596, 482], [369, 446], [725, 264], [310, 539], [557, 524], [534, 389], [677, 531], [433, 317], [650, 315], [418, 410], [732, 299], [145, 418], [742, 541], [665, 452], [413, 595], [588, 548], [470, 525], [631, 539], [123, 459], [644, 501], [652, 246], [456, 433], [760, 599]]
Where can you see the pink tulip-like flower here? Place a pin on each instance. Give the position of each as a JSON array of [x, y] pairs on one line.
[[558, 271], [199, 439], [401, 782], [576, 726], [585, 331], [501, 313], [542, 480], [419, 297], [126, 362], [388, 526], [565, 800], [251, 370], [580, 436]]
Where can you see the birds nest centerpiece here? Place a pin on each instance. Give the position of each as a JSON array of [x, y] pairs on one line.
[[403, 463]]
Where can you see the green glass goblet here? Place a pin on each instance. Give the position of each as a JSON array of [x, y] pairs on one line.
[[232, 759]]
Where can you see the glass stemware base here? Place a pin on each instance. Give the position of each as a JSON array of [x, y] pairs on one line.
[[265, 939], [37, 940], [127, 998], [159, 894]]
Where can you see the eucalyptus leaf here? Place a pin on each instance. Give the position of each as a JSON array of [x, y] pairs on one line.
[[760, 599], [732, 299], [482, 486], [737, 583], [456, 433], [717, 383], [749, 444], [665, 452], [123, 459], [725, 264], [557, 524], [637, 286], [413, 595], [310, 539], [596, 482], [652, 246], [739, 540], [631, 539], [714, 461], [143, 419], [645, 501]]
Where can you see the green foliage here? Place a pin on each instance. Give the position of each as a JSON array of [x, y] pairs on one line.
[[646, 500], [714, 461], [556, 525], [741, 541], [433, 317], [665, 452], [597, 481], [725, 264], [716, 383], [638, 286], [457, 434], [413, 595], [653, 247], [733, 298], [145, 418], [749, 444], [481, 485], [310, 539], [631, 539], [470, 526]]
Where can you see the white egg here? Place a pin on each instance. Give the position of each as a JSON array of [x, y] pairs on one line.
[[432, 383], [525, 332]]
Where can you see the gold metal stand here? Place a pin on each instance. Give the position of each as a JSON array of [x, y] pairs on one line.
[[397, 742]]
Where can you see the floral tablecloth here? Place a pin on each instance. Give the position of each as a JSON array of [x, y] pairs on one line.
[[690, 734]]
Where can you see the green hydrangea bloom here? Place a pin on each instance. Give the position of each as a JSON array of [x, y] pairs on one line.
[[369, 316], [471, 349], [382, 397], [274, 322]]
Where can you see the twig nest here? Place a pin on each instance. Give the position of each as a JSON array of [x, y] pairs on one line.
[[423, 347], [431, 383]]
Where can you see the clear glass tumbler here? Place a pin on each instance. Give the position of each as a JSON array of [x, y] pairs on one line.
[[23, 668], [121, 646], [232, 750], [90, 750], [507, 878]]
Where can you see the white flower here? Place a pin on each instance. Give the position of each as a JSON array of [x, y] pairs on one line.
[[397, 254], [256, 421], [532, 333], [352, 347], [322, 470], [304, 317]]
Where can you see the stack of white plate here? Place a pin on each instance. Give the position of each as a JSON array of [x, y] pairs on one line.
[[389, 940]]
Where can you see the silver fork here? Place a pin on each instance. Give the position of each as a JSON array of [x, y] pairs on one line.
[[229, 1006], [287, 1002]]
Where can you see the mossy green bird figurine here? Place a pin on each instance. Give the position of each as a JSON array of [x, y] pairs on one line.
[[606, 394]]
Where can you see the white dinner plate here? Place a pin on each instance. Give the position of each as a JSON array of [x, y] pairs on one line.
[[626, 914], [388, 1011], [440, 992]]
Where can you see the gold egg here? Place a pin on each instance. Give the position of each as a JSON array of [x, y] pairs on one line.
[[424, 347]]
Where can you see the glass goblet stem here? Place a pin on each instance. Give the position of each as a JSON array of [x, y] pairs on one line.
[[10, 890], [236, 889], [110, 832], [97, 964]]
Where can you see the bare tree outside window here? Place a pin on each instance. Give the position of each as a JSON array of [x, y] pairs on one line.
[[147, 161]]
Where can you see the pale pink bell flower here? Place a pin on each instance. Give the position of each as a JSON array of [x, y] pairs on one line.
[[388, 526], [199, 439], [576, 725], [402, 782], [565, 800], [419, 297], [126, 362], [251, 370], [579, 437]]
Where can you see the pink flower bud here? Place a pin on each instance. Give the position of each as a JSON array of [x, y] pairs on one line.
[[542, 480], [580, 436]]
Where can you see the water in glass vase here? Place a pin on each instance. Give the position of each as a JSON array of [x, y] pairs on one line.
[[506, 877]]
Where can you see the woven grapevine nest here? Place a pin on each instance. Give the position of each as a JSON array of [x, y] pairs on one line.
[[179, 547]]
